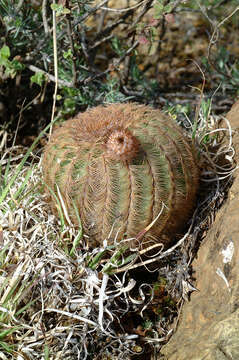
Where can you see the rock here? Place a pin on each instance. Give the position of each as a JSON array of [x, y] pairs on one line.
[[209, 324]]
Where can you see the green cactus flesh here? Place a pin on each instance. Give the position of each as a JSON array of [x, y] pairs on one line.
[[120, 194]]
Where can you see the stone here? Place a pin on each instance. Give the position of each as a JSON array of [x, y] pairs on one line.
[[209, 325]]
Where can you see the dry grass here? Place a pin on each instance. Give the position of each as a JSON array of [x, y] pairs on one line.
[[61, 299]]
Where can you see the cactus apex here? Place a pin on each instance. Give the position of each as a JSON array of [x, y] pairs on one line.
[[121, 145]]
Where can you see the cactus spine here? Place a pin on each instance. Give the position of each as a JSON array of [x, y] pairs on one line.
[[119, 164]]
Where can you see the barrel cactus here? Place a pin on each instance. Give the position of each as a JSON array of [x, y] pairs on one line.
[[121, 166]]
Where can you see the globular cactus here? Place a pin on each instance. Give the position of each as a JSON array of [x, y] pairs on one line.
[[121, 165]]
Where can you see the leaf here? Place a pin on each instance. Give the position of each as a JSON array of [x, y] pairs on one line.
[[38, 78], [17, 65], [55, 7], [158, 10], [168, 8], [66, 11], [5, 52], [10, 72], [60, 9], [67, 54]]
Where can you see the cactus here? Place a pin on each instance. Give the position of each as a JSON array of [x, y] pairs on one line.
[[121, 165]]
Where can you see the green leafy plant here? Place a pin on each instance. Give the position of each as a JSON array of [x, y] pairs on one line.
[[60, 9], [38, 78], [162, 7], [10, 67]]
